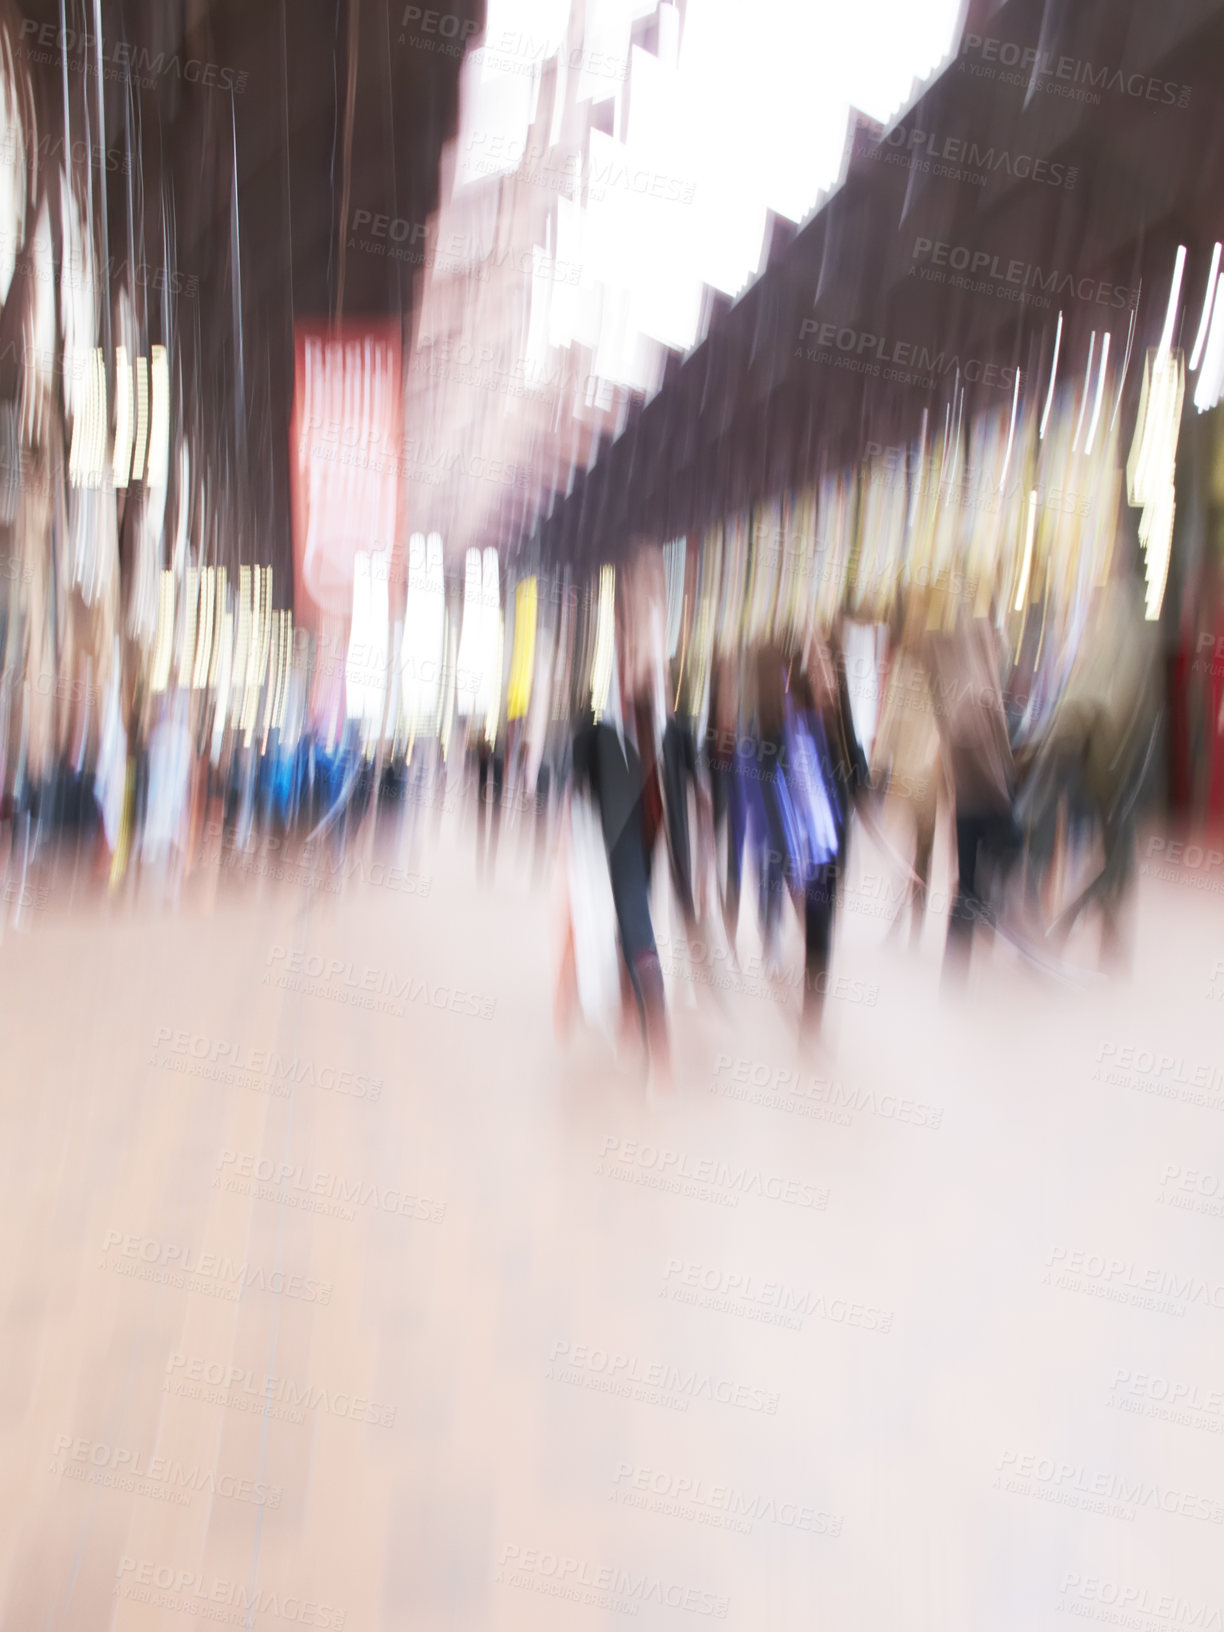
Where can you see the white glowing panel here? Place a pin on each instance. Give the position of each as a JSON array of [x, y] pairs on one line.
[[471, 636], [424, 633], [496, 113], [527, 33], [366, 665]]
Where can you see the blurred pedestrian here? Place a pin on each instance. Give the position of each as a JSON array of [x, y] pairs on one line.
[[965, 663], [615, 758]]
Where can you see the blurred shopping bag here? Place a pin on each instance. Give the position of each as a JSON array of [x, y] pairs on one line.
[[592, 918], [812, 806]]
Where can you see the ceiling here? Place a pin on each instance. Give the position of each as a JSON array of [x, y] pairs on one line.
[[747, 415], [257, 134]]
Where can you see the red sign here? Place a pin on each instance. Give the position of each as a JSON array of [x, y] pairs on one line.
[[345, 445]]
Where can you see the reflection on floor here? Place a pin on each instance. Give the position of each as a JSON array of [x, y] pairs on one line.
[[337, 1295]]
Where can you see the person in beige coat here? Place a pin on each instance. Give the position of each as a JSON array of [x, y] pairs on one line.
[[905, 757]]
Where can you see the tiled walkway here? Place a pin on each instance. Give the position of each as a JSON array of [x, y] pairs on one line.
[[336, 1294]]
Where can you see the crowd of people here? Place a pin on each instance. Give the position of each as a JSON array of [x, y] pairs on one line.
[[766, 782], [633, 759]]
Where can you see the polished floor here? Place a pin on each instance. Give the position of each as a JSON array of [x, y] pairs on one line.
[[337, 1294]]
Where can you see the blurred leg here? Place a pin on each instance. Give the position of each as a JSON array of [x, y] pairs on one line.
[[482, 787], [966, 907], [819, 896], [630, 895]]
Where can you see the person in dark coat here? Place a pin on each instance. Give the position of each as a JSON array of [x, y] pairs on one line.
[[615, 757]]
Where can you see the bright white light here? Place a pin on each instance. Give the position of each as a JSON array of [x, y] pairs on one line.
[[220, 683], [423, 646], [242, 641], [163, 649], [1130, 340], [87, 457], [123, 417], [142, 419], [159, 423], [1027, 564], [204, 643], [1100, 392], [365, 668], [1151, 468], [1049, 402], [488, 693], [673, 570], [728, 119], [1211, 380], [1205, 319], [1011, 431], [497, 109], [1079, 424], [525, 31], [192, 588], [183, 524], [601, 665], [479, 635], [1166, 338]]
